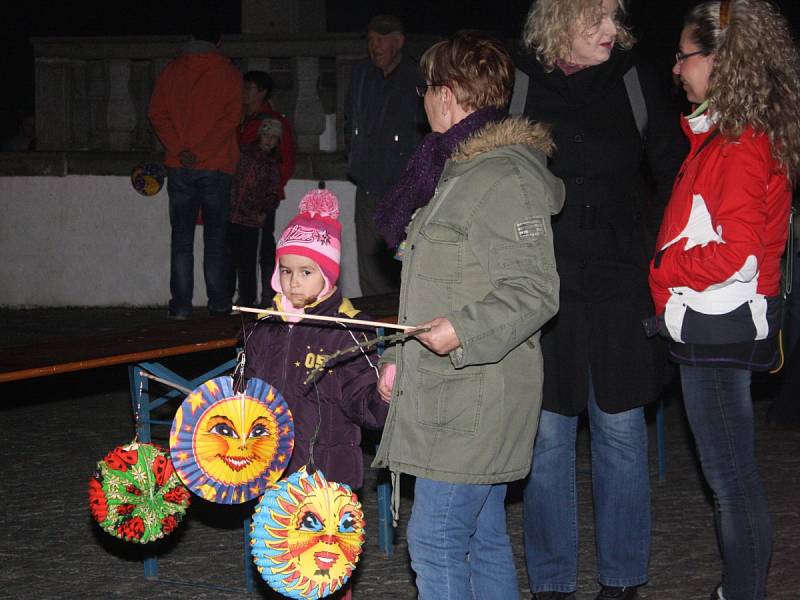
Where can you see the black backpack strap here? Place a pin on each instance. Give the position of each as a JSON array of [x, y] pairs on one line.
[[636, 97], [519, 95]]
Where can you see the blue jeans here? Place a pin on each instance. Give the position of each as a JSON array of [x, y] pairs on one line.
[[458, 542], [621, 493], [189, 190], [720, 412]]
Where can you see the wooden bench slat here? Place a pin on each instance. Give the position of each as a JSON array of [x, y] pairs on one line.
[[126, 346]]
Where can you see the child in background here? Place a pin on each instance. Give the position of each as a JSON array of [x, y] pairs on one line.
[[283, 351], [256, 193]]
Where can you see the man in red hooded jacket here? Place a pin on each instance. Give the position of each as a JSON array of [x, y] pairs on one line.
[[195, 109]]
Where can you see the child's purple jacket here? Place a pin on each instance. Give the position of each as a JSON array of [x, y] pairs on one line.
[[348, 395]]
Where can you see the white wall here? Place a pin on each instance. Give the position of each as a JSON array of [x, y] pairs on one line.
[[94, 241]]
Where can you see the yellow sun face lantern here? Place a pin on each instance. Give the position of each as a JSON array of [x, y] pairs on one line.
[[228, 447], [307, 534]]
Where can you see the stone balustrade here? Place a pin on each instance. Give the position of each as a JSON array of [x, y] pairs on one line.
[[92, 93]]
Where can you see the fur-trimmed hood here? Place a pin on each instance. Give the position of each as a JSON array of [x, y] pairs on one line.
[[509, 132]]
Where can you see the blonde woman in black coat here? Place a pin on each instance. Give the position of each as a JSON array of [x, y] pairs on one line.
[[596, 356]]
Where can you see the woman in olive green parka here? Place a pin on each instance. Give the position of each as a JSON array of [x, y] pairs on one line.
[[479, 271]]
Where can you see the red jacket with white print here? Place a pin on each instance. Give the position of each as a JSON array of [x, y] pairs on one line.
[[715, 279]]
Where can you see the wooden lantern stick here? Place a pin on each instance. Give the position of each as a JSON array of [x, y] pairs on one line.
[[324, 318]]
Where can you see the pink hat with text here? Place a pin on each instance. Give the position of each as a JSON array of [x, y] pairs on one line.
[[315, 232]]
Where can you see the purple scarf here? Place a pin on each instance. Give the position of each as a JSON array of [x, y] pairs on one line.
[[418, 183]]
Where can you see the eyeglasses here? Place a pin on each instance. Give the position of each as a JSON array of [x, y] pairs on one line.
[[422, 89], [682, 56]]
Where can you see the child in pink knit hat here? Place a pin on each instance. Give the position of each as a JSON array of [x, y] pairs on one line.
[[308, 252], [284, 350]]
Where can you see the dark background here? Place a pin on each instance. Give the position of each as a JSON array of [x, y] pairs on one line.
[[656, 24]]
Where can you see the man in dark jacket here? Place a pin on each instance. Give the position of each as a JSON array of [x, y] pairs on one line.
[[383, 121]]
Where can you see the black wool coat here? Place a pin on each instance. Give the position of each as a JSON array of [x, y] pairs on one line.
[[617, 185]]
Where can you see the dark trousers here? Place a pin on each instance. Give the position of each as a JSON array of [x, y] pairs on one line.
[[242, 244], [720, 412], [378, 272], [267, 258], [190, 190]]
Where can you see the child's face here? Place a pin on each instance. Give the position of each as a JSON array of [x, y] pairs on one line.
[[301, 279], [267, 141]]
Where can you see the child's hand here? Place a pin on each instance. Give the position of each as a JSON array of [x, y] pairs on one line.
[[386, 381], [441, 338]]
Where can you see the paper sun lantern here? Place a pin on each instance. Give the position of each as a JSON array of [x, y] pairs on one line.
[[228, 447], [306, 535], [148, 178], [136, 495]]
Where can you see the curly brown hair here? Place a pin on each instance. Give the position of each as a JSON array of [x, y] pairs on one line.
[[755, 80], [475, 66], [551, 26]]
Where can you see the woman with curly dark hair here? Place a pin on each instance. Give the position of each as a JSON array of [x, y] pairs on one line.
[[716, 276]]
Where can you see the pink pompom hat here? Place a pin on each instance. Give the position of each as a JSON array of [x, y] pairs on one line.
[[315, 232]]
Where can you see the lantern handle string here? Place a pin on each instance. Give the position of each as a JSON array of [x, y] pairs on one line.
[[241, 360], [387, 339], [312, 468], [136, 410], [238, 380], [238, 373], [326, 358]]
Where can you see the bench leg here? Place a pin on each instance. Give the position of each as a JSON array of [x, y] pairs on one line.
[[140, 402], [248, 560]]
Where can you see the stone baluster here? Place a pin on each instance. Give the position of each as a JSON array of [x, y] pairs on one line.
[[256, 64], [309, 118], [80, 118], [344, 68], [53, 95], [97, 94], [121, 113], [284, 96], [157, 66], [141, 90]]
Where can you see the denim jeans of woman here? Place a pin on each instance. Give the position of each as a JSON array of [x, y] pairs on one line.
[[620, 490], [458, 542], [720, 411]]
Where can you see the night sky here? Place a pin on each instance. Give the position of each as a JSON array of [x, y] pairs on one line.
[[656, 23]]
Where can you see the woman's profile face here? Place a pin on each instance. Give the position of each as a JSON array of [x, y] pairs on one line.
[[593, 40], [692, 69]]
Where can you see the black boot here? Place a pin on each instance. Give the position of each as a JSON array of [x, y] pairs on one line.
[[617, 593]]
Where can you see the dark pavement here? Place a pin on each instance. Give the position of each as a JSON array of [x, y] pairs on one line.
[[54, 429]]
